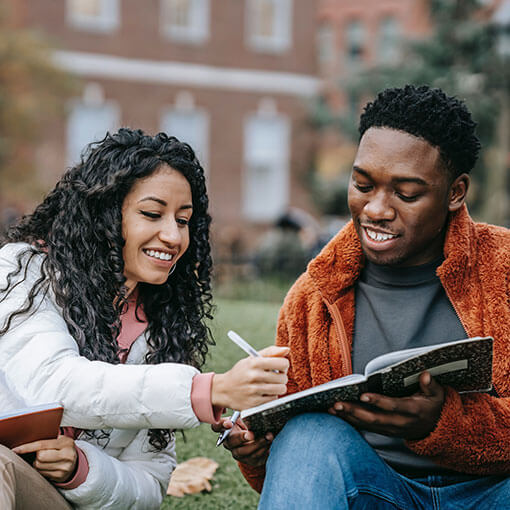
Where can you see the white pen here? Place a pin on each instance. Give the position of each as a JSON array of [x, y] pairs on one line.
[[246, 347]]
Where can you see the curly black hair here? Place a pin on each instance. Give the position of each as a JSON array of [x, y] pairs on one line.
[[79, 227], [428, 113]]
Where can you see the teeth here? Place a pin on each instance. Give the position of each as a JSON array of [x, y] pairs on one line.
[[159, 255], [378, 236]]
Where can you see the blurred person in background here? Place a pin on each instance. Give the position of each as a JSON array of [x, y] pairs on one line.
[[283, 252], [104, 294], [411, 269]]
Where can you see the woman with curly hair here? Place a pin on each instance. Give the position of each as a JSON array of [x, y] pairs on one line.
[[104, 294]]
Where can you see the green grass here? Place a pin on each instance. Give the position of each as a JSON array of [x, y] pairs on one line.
[[256, 322], [268, 289]]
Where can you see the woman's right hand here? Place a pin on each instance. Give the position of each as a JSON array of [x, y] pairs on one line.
[[252, 381]]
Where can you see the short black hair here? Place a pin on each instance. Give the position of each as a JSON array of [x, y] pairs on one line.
[[443, 121]]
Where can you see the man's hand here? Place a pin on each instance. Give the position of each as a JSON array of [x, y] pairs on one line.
[[242, 443], [55, 458], [411, 417]]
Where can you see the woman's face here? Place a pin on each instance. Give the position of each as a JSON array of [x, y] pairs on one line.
[[155, 217]]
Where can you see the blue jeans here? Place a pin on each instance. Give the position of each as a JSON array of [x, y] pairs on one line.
[[319, 461]]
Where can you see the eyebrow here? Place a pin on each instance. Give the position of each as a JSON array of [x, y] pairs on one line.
[[162, 202], [398, 180]]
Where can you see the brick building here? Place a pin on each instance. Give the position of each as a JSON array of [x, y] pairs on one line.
[[231, 77], [352, 36], [366, 32]]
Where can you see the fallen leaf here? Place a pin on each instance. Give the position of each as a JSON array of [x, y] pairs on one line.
[[192, 476]]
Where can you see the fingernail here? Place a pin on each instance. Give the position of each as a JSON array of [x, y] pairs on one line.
[[365, 398], [339, 407], [15, 450]]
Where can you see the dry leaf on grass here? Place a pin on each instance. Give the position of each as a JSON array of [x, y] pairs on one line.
[[192, 476]]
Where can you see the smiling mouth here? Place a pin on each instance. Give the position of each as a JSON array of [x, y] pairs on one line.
[[159, 255], [379, 236]]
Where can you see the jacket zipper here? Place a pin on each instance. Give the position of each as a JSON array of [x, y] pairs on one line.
[[342, 336], [464, 326], [455, 308]]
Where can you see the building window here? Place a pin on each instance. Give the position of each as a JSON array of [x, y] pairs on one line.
[[94, 15], [89, 123], [389, 40], [185, 20], [326, 44], [266, 167], [269, 25], [190, 126], [355, 41]]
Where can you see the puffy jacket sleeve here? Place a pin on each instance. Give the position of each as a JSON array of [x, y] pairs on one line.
[[41, 362], [462, 440], [145, 476]]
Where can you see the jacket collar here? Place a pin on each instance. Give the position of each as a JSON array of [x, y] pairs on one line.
[[338, 265]]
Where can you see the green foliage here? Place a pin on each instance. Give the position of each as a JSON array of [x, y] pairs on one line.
[[33, 92], [282, 255], [460, 56], [256, 322], [330, 195]]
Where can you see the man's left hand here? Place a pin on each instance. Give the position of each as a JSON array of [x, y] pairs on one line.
[[412, 417]]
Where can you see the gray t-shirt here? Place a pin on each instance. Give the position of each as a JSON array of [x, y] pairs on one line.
[[400, 308]]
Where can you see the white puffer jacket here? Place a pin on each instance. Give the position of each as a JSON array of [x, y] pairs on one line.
[[41, 363]]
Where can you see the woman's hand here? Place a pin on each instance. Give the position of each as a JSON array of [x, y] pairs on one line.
[[252, 381], [55, 459]]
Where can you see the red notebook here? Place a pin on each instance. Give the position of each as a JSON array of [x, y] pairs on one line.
[[30, 424]]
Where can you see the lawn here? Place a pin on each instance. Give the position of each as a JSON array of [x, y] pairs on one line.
[[256, 322]]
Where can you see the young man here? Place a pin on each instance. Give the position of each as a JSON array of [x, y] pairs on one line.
[[410, 269]]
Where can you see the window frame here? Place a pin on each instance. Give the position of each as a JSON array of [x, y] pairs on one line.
[[353, 59], [113, 106], [388, 40], [108, 19], [280, 164], [281, 39], [197, 32], [202, 152]]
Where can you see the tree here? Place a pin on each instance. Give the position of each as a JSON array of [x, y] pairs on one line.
[[33, 91], [461, 57]]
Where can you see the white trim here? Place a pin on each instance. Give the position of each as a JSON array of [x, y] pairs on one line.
[[180, 73]]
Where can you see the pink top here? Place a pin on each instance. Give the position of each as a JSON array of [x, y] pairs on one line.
[[132, 328]]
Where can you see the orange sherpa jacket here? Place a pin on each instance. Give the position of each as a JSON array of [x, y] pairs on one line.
[[473, 432]]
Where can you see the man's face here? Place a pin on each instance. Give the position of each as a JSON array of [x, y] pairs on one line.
[[399, 197]]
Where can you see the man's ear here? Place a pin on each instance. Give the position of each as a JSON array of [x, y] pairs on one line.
[[458, 191]]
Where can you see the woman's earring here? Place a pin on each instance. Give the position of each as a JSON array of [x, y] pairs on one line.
[[171, 270]]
